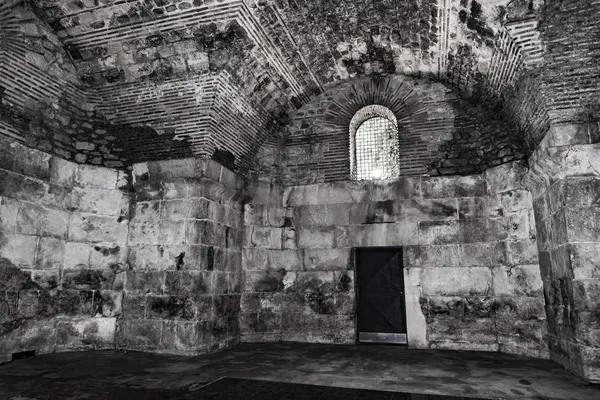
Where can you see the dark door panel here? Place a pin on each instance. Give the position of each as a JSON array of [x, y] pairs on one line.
[[380, 295]]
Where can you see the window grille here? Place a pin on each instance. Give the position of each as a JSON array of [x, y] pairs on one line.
[[374, 145]]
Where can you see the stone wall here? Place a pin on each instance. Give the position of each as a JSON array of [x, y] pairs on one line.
[[565, 180], [470, 260], [182, 291], [63, 235]]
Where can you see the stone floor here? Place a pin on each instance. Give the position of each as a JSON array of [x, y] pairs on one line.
[[132, 375]]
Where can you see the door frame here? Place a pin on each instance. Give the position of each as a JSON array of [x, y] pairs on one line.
[[354, 251]]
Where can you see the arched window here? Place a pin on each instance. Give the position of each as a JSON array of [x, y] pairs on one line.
[[374, 145]]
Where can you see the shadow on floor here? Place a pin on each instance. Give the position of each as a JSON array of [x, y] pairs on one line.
[[384, 369]]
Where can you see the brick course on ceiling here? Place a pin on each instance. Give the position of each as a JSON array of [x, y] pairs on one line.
[[276, 55]]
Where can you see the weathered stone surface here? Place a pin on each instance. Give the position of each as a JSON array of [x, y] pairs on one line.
[[18, 249], [457, 281], [327, 259], [96, 177], [97, 201], [446, 187], [36, 220], [95, 228]]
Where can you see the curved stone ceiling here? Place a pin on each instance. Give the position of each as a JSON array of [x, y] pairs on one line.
[[283, 51]]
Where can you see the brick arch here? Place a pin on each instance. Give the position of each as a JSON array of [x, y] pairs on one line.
[[402, 96]]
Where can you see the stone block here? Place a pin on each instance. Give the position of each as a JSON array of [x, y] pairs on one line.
[[584, 260], [149, 191], [50, 253], [583, 224], [268, 281], [266, 193], [179, 189], [322, 215], [519, 308], [521, 280], [341, 192], [158, 257], [226, 305], [429, 210], [288, 260], [434, 307], [312, 281], [62, 171], [144, 233], [521, 252], [97, 228], [453, 186], [516, 200], [327, 259], [18, 249], [178, 168], [145, 281], [205, 232], [88, 279], [277, 216], [172, 233], [187, 283], [263, 237], [133, 305], [170, 307], [457, 281], [96, 177], [35, 220], [580, 192], [31, 335], [139, 335], [255, 215], [402, 188], [294, 196], [9, 209], [315, 237], [97, 201], [479, 207], [19, 187], [451, 232], [586, 294], [373, 235], [179, 337], [568, 134], [463, 334], [148, 211], [255, 259], [173, 210], [505, 177], [109, 255], [77, 255], [26, 161], [525, 338], [49, 280], [513, 227], [108, 303], [378, 212]]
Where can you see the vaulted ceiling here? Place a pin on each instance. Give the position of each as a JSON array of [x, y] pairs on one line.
[[144, 62]]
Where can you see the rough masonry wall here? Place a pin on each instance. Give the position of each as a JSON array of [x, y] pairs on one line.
[[182, 291], [570, 31], [440, 133], [206, 112], [63, 235], [565, 181], [470, 260]]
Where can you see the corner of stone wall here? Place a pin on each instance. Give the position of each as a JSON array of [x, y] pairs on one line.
[[63, 232], [182, 289], [564, 178]]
